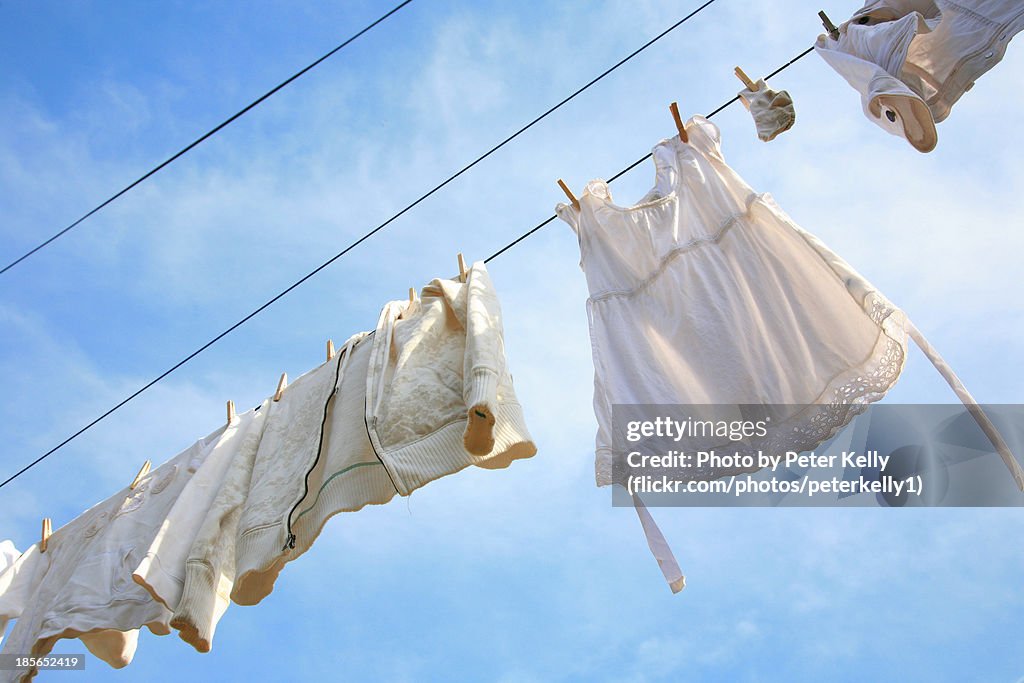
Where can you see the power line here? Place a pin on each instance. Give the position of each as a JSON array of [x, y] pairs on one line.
[[205, 136], [354, 244]]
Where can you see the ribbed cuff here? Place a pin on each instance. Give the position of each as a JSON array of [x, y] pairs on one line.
[[483, 389], [483, 396], [197, 614], [442, 452], [258, 562]]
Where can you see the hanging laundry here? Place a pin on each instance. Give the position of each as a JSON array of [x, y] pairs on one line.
[[706, 293], [772, 110], [424, 395], [291, 445], [209, 569], [162, 569], [82, 587], [912, 60], [8, 555]]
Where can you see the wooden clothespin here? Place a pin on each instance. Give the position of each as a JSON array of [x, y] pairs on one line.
[[568, 193], [45, 536], [408, 307], [142, 473], [833, 32], [330, 349], [751, 86], [674, 108], [281, 384], [462, 268], [231, 412]]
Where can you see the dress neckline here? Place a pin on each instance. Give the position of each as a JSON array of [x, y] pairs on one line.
[[670, 194]]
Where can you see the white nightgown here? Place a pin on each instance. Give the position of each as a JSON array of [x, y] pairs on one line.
[[706, 293]]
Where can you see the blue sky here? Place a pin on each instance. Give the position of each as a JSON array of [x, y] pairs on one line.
[[527, 574]]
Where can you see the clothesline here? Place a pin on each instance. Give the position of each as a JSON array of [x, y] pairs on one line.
[[645, 157], [204, 137], [218, 522], [229, 512], [365, 237]]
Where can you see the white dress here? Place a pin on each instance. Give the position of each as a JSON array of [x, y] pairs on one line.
[[706, 293]]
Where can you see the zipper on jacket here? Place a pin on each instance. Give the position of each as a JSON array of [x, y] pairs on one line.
[[290, 539], [370, 439]]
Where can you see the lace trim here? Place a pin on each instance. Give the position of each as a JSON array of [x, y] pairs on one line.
[[842, 398]]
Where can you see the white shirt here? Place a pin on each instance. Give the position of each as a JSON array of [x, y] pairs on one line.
[[911, 60]]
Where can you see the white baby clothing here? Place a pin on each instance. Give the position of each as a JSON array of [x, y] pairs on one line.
[[162, 569], [82, 586], [773, 111], [209, 568], [706, 293], [911, 60], [435, 398], [19, 586], [8, 555], [287, 451]]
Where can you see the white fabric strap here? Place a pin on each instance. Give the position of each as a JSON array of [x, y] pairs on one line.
[[972, 406], [385, 327], [659, 547], [346, 352]]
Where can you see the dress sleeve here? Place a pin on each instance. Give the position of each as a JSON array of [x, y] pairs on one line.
[[568, 214]]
